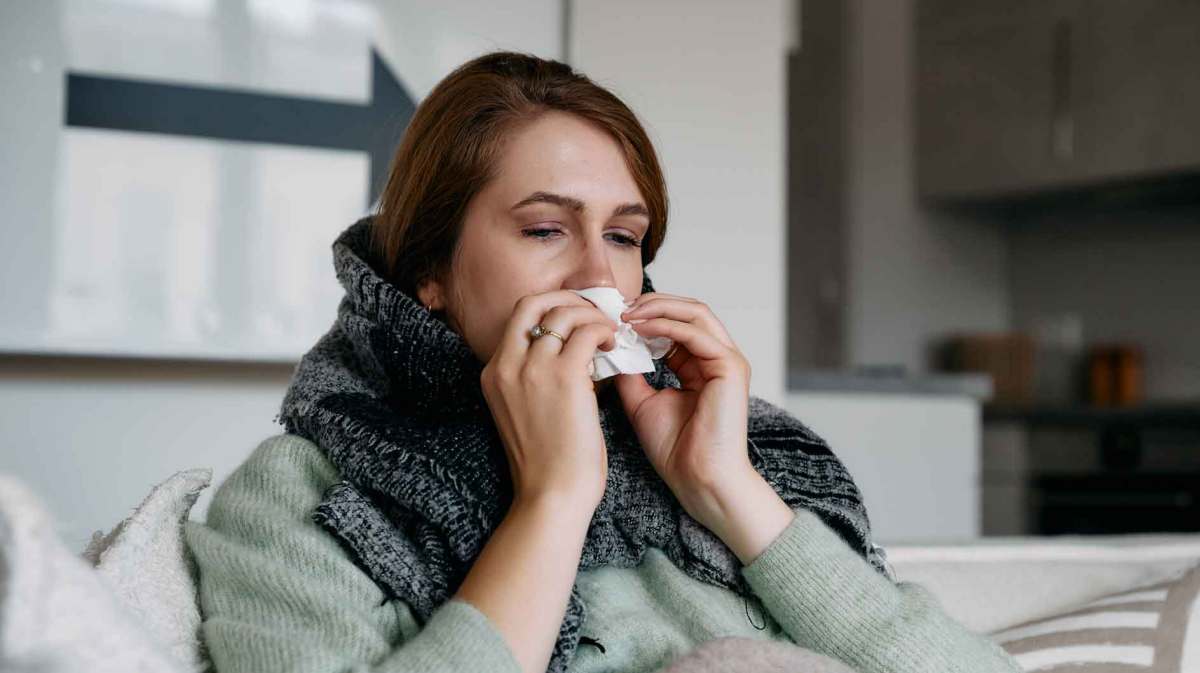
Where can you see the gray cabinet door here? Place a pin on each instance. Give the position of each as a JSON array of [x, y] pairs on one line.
[[990, 90], [1138, 98]]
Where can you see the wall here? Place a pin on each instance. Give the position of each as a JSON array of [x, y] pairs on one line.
[[912, 274], [1129, 274], [707, 79], [92, 436]]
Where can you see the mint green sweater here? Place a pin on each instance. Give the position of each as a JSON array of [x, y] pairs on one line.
[[278, 593]]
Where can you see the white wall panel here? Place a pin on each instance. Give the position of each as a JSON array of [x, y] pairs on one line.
[[707, 79]]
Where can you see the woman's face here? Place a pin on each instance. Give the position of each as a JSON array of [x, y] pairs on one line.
[[563, 212]]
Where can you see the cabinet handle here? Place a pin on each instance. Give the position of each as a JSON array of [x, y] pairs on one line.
[[1062, 123]]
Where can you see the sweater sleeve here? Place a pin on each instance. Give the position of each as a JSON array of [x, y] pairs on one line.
[[829, 599], [278, 593]]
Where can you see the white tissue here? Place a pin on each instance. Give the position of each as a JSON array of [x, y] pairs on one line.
[[633, 354]]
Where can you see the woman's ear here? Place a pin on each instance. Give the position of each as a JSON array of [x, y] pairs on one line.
[[429, 293]]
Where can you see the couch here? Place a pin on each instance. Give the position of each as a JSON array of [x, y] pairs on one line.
[[128, 602]]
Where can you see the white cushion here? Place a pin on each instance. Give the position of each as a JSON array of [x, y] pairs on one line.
[[994, 583], [146, 561], [1147, 628], [56, 614]]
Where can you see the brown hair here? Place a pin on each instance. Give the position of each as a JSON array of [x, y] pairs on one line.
[[450, 148]]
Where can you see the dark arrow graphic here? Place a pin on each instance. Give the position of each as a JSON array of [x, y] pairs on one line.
[[224, 114]]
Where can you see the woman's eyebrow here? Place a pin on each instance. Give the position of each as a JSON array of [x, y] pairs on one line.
[[577, 205]]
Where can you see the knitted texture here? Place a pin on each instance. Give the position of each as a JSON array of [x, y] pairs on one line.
[[861, 618], [393, 396]]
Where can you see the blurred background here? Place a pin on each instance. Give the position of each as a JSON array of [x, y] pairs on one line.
[[959, 238]]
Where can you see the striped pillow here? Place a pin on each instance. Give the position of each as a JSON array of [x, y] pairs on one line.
[[1143, 630]]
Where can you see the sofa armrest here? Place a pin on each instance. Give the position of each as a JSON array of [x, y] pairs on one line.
[[994, 583]]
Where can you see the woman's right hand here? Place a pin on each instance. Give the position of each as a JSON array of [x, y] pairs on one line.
[[543, 401]]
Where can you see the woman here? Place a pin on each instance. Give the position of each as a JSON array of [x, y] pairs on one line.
[[454, 492]]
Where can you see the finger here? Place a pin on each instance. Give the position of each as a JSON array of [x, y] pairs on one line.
[[697, 341], [675, 357], [582, 345], [696, 313], [633, 390], [638, 300], [564, 320], [526, 313]]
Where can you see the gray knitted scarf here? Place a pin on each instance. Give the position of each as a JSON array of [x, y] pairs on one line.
[[392, 395]]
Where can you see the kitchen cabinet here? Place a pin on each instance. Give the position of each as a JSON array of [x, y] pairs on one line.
[[914, 457], [1021, 98], [1137, 107], [1089, 470], [986, 95]]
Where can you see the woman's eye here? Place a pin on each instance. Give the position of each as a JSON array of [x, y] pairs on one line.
[[623, 239], [541, 234], [546, 234]]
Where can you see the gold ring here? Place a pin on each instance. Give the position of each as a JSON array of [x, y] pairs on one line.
[[538, 331], [674, 347]]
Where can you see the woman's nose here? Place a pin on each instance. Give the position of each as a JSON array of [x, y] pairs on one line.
[[592, 270]]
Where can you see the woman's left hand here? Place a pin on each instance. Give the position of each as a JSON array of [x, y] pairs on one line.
[[695, 437]]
